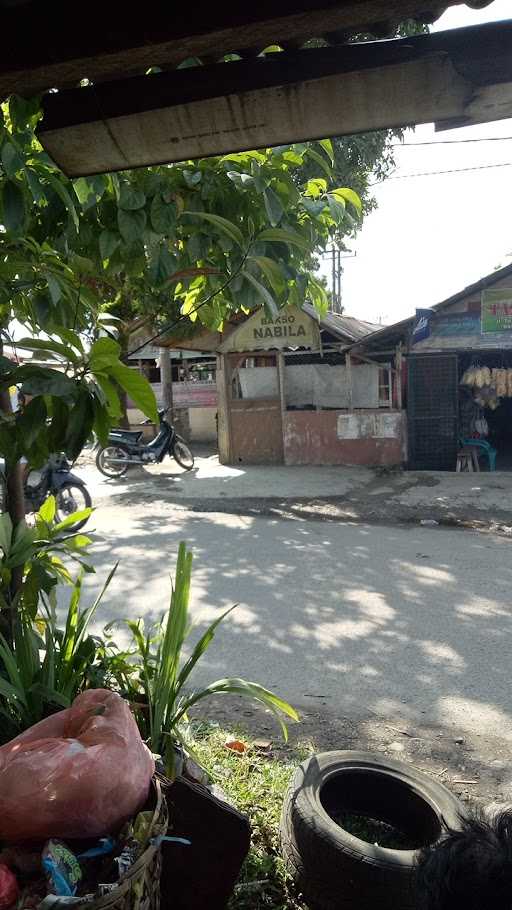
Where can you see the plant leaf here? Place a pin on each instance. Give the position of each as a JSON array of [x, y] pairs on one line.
[[278, 235], [273, 206], [223, 224], [264, 293], [138, 388]]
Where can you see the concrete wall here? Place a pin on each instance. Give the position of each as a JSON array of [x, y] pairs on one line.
[[313, 437]]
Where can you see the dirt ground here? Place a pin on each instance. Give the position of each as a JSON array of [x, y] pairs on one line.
[[478, 770]]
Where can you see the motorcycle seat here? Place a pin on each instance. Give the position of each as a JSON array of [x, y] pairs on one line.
[[129, 435]]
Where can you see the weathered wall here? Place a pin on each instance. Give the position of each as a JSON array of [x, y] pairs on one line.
[[311, 437]]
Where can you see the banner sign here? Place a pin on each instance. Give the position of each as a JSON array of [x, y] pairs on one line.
[[497, 310], [421, 328]]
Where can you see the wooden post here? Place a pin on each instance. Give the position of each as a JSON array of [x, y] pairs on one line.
[[166, 379], [348, 365], [282, 396], [398, 365], [223, 408]]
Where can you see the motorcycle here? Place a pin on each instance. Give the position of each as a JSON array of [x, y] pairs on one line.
[[125, 448], [54, 479]]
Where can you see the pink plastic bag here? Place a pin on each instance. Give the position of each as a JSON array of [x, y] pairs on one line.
[[80, 773]]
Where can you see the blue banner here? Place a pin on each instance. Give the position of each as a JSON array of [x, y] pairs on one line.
[[421, 328]]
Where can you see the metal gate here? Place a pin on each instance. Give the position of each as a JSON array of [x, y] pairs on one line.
[[432, 412]]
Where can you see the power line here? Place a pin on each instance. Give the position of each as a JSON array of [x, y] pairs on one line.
[[455, 170], [399, 145]]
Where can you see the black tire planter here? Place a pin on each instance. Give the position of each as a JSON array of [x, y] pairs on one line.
[[332, 868]]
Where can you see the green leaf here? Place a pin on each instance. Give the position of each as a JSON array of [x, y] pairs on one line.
[[336, 208], [71, 338], [322, 163], [273, 206], [223, 225], [102, 422], [262, 291], [163, 215], [109, 241], [57, 185], [71, 520], [48, 346], [109, 390], [131, 224], [315, 187], [11, 159], [45, 381], [79, 426], [32, 421], [5, 533], [235, 686], [138, 388], [327, 147], [55, 289], [278, 235], [35, 185], [13, 207], [348, 195], [130, 198], [202, 645], [47, 510], [83, 190], [103, 353], [272, 271]]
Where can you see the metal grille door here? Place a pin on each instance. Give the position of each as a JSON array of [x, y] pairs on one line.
[[432, 409]]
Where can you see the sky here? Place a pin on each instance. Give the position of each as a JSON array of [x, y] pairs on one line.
[[432, 236]]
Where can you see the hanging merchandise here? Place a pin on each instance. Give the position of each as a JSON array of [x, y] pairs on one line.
[[469, 376], [483, 377], [501, 383]]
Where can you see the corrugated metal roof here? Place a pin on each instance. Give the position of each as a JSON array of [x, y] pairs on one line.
[[346, 328]]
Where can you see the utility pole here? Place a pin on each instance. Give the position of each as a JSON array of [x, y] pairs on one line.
[[336, 276]]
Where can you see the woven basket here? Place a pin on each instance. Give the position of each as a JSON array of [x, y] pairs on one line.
[[139, 889]]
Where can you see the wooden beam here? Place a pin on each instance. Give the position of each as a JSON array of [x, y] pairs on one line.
[[110, 44], [463, 76]]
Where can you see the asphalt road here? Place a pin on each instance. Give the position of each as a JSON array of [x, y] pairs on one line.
[[362, 620]]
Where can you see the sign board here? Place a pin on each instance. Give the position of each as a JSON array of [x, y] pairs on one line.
[[293, 328], [497, 310]]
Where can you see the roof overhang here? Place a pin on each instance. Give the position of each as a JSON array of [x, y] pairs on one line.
[[453, 78]]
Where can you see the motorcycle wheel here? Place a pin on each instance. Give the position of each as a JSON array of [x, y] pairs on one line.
[[182, 454], [106, 467], [72, 498]]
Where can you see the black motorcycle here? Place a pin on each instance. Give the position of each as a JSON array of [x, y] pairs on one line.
[[55, 479], [125, 448]]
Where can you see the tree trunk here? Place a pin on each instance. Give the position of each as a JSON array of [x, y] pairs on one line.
[[166, 378], [123, 340], [15, 506]]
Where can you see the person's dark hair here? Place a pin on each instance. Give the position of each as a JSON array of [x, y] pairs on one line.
[[470, 869]]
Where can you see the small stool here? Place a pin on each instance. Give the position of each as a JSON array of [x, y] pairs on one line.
[[467, 459]]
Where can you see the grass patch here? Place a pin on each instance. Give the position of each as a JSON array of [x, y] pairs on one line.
[[256, 782]]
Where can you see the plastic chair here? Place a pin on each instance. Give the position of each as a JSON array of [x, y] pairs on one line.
[[487, 449]]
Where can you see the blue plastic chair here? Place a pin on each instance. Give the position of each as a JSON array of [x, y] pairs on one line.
[[487, 449]]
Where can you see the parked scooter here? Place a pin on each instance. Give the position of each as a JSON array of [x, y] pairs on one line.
[[125, 448], [54, 479]]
